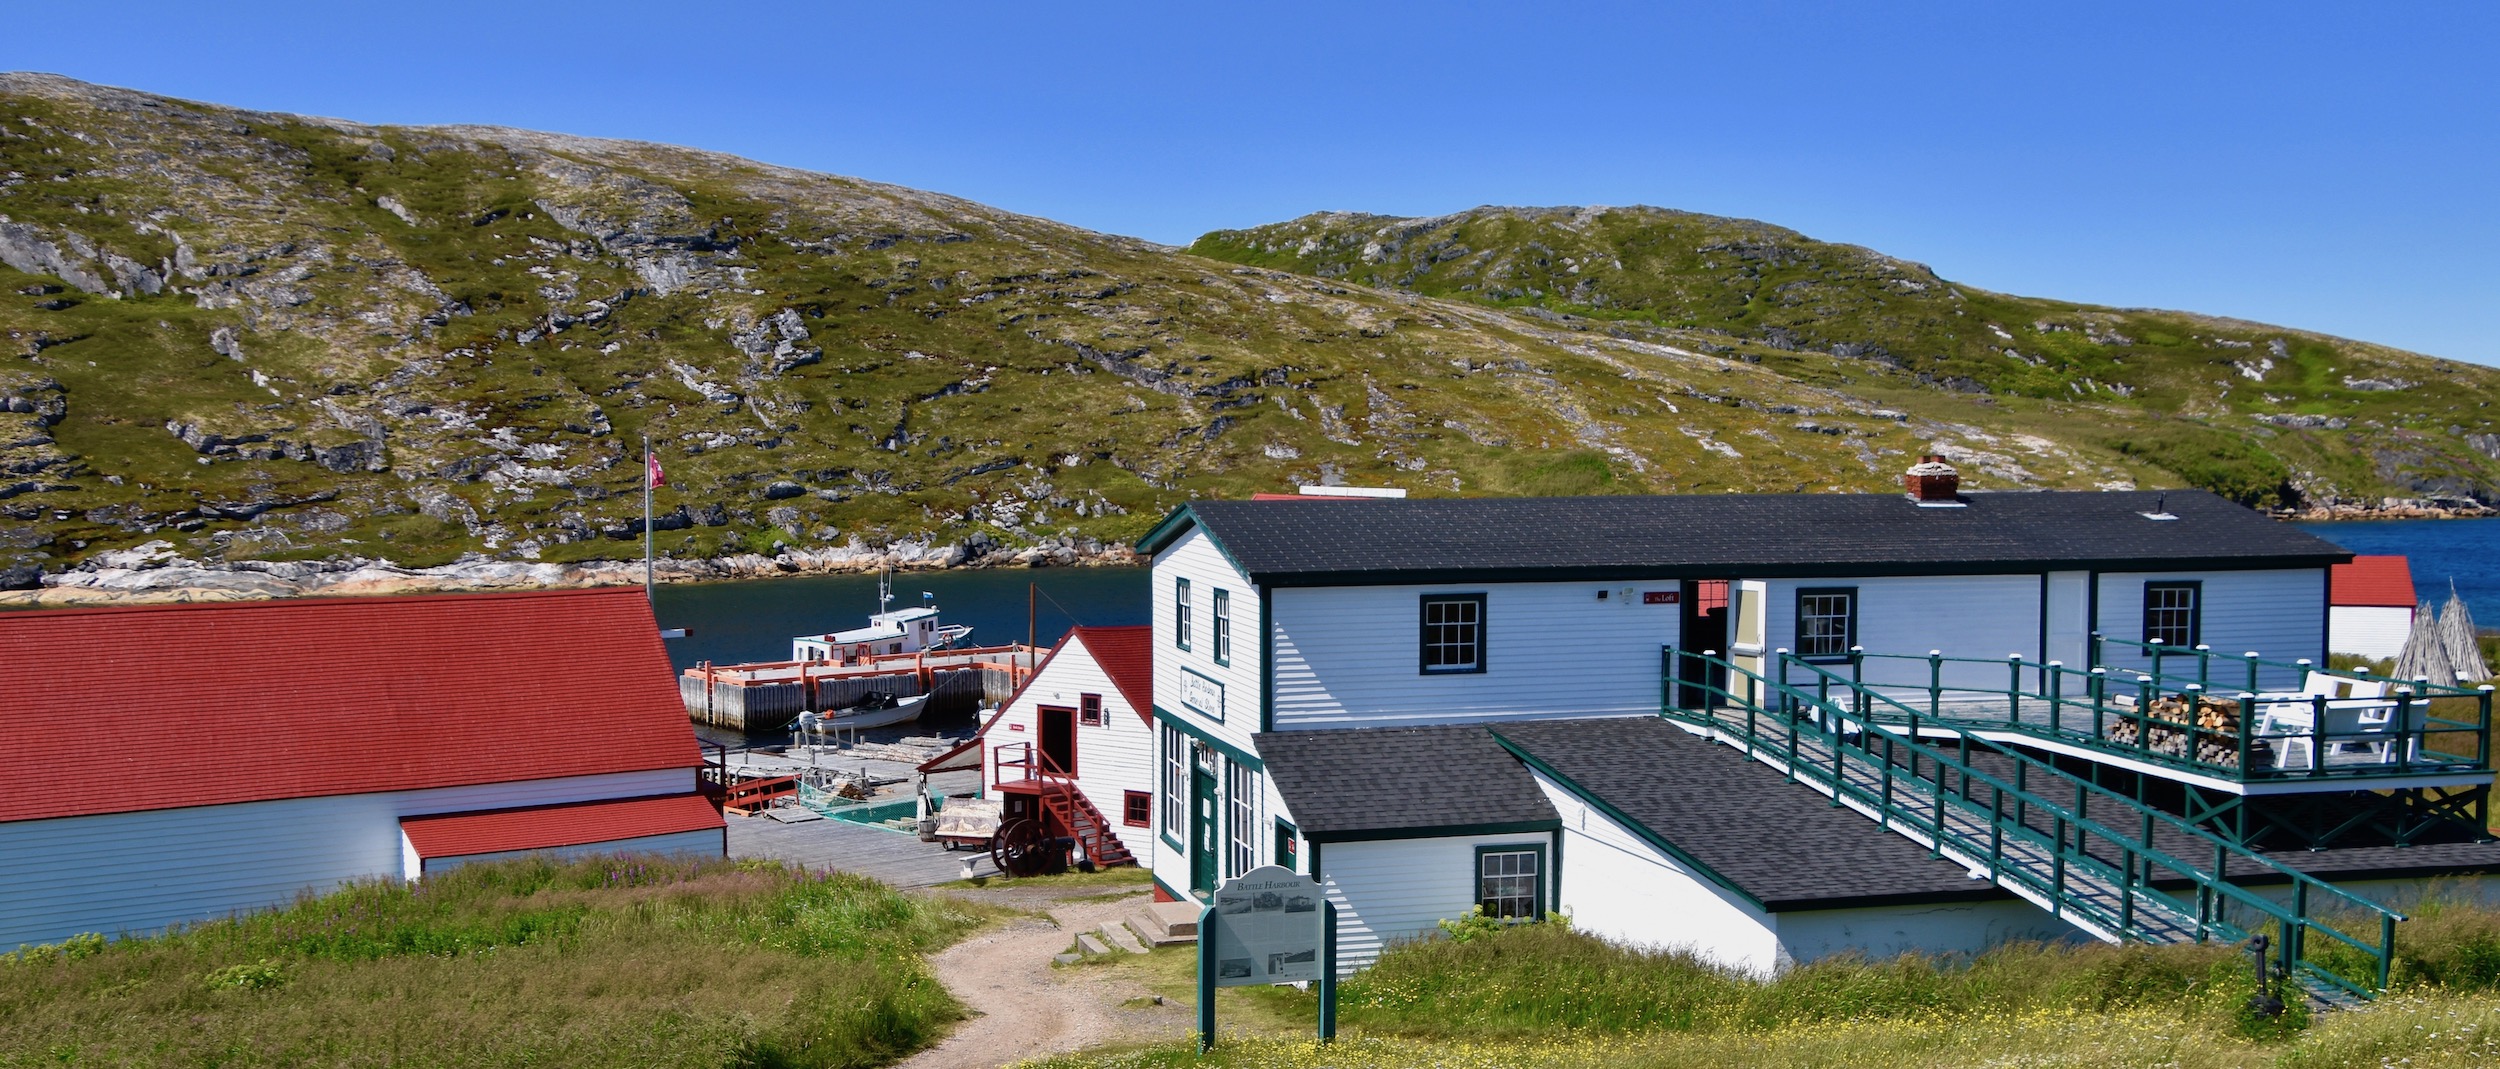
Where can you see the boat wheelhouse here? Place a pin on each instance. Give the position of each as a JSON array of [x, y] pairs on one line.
[[889, 632], [2137, 679]]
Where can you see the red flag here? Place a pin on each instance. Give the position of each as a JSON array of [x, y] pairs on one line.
[[658, 478]]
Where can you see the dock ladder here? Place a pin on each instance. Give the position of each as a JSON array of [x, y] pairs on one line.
[[2107, 863]]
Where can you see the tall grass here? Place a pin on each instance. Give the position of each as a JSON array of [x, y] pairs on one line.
[[1538, 978], [605, 962]]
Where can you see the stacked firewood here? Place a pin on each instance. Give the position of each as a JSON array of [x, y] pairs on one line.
[[2211, 725]]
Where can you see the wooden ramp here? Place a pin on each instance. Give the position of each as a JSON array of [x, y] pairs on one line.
[[894, 858]]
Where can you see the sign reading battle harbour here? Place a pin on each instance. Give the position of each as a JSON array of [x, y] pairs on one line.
[[1268, 928]]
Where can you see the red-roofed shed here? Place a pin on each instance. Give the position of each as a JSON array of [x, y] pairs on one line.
[[2370, 606], [1074, 746], [169, 763]]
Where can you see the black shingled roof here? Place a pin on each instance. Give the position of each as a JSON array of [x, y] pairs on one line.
[[1367, 783], [1754, 535], [1780, 842]]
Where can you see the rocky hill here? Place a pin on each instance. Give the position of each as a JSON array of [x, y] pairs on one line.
[[259, 337]]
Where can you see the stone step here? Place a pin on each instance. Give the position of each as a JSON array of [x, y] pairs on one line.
[[1119, 936], [1166, 923], [1091, 944]]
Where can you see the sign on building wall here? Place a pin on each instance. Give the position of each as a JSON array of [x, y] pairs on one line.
[[1202, 694], [1269, 925]]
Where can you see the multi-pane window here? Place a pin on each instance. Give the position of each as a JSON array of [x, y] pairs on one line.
[[1180, 613], [1241, 789], [1827, 621], [1453, 633], [1175, 781], [1510, 881], [1135, 807], [1089, 710], [1223, 627], [2170, 613]]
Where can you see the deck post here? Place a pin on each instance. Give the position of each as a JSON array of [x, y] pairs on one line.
[[2252, 669], [2248, 726], [1996, 832], [1669, 688], [2099, 685], [2093, 656], [2204, 664], [2317, 736], [2386, 945], [2057, 694], [2013, 689], [1857, 683], [1935, 841], [1935, 681], [2294, 940], [2482, 735]]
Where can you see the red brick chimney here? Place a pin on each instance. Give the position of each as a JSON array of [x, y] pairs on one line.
[[1931, 479]]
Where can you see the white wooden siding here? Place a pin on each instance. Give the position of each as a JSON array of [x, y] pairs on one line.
[[2372, 631], [1975, 616], [1115, 756], [1937, 928], [1617, 886], [136, 873], [1397, 889], [1195, 557], [703, 842], [2280, 613], [1351, 656]]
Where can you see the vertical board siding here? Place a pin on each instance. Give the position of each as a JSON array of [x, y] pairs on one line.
[[1617, 886], [136, 873], [1398, 889], [2069, 623], [2280, 613], [1195, 557], [1117, 756], [1975, 616], [1351, 656], [2372, 631]]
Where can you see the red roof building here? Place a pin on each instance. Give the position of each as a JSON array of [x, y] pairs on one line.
[[172, 762], [1073, 748], [2381, 581]]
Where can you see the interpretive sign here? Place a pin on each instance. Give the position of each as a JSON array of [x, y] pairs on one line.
[[1270, 925]]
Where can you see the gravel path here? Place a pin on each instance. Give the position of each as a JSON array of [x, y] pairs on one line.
[[1023, 1008]]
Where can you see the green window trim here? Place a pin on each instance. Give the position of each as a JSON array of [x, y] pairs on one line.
[[1180, 613], [1538, 902], [1223, 626]]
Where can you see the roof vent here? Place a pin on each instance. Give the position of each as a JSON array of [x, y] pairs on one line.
[[1933, 483], [2161, 510]]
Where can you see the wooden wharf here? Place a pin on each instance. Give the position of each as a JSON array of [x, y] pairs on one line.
[[769, 695]]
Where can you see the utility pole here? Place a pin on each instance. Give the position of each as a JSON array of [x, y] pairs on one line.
[[650, 469]]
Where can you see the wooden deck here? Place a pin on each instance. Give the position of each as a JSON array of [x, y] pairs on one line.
[[896, 858]]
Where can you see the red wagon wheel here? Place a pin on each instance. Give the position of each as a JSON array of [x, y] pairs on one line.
[[1020, 848]]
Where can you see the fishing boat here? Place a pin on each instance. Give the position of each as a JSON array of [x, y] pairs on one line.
[[889, 631], [875, 710]]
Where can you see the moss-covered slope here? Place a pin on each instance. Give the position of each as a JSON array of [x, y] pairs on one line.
[[266, 337]]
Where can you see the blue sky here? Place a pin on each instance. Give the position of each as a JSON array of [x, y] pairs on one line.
[[2325, 167]]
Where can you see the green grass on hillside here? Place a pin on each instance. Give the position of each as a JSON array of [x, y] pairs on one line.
[[604, 962]]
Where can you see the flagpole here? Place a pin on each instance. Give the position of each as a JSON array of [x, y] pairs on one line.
[[646, 518]]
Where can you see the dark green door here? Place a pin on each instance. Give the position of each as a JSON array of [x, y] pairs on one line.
[[1202, 830]]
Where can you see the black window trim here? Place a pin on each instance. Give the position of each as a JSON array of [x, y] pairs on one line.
[[1796, 623], [1543, 874], [1423, 635], [2196, 609]]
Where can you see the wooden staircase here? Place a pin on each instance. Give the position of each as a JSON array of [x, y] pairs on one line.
[[1075, 812]]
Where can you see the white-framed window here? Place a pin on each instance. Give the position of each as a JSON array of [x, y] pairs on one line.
[[1827, 621], [2171, 613], [1180, 613], [1175, 783], [1510, 881], [1453, 633], [1241, 793], [1223, 626]]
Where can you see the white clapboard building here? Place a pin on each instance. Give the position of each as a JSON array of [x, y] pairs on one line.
[[2372, 612], [178, 763], [1437, 705]]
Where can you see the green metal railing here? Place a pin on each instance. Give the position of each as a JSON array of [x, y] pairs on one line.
[[2213, 721], [2034, 828]]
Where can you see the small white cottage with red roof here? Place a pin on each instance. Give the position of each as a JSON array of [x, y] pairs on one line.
[[1074, 747], [176, 763], [2370, 607]]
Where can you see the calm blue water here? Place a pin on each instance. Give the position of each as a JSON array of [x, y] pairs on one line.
[[753, 620], [2465, 551]]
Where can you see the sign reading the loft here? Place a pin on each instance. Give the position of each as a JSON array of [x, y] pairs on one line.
[[1658, 597], [1269, 925], [1202, 694]]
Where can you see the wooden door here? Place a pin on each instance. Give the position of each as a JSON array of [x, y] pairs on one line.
[[1058, 738], [1202, 829]]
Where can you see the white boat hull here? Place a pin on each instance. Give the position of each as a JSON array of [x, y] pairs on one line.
[[905, 711]]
